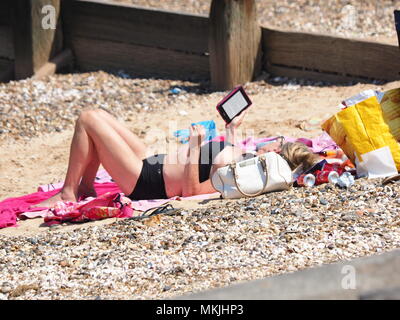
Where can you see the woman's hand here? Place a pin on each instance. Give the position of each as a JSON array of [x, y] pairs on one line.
[[197, 135], [236, 122], [232, 126]]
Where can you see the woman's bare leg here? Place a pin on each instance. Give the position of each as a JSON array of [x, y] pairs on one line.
[[86, 187], [93, 135], [134, 142]]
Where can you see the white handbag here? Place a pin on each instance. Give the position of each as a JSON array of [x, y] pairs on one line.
[[252, 177]]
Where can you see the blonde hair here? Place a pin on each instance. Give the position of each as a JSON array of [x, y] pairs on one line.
[[296, 154]]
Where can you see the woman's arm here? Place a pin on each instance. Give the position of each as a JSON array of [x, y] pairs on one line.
[[191, 172], [191, 185], [231, 132], [230, 135]]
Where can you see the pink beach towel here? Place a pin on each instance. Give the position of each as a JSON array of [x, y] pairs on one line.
[[11, 208], [108, 205]]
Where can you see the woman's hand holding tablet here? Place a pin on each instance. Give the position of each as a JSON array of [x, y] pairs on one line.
[[233, 104]]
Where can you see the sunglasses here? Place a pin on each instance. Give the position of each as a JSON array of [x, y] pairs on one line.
[[279, 139]]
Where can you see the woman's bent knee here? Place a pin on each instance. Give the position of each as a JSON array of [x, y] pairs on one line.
[[88, 115]]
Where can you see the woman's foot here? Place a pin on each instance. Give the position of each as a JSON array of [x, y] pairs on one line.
[[61, 196], [85, 191]]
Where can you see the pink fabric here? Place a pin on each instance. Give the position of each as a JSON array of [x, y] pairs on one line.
[[19, 207], [99, 208], [138, 205], [143, 205], [322, 142], [104, 207], [11, 208]]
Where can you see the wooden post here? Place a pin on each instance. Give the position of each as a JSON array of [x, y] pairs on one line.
[[6, 42], [397, 24], [234, 43], [61, 61], [34, 45]]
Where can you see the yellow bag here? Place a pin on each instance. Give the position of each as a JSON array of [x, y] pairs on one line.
[[367, 126]]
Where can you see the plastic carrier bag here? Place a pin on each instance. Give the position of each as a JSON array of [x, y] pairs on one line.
[[367, 129]]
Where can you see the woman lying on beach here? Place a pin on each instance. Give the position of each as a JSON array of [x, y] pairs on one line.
[[100, 139]]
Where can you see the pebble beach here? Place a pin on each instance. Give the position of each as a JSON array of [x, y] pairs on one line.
[[201, 246], [364, 19], [193, 250]]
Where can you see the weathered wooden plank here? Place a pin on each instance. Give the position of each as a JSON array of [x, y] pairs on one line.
[[135, 25], [22, 39], [311, 75], [94, 54], [331, 54], [234, 43], [33, 45], [6, 42], [397, 23], [6, 70], [66, 13], [5, 12]]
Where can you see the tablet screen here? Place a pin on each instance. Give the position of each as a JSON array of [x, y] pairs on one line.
[[235, 104]]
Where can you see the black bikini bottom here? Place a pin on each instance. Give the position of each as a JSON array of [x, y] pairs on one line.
[[150, 184]]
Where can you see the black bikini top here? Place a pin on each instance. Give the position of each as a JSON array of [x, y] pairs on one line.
[[208, 152]]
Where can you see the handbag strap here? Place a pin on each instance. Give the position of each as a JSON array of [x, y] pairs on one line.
[[235, 178]]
